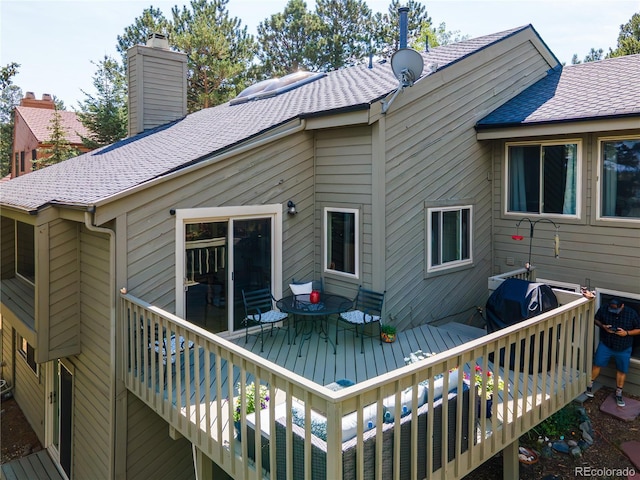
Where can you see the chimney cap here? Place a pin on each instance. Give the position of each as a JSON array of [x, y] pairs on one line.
[[158, 40], [46, 96], [30, 95]]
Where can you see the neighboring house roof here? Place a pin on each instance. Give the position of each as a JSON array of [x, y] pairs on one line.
[[97, 175], [587, 91], [39, 122]]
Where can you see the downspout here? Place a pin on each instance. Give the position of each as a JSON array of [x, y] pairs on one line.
[[88, 222]]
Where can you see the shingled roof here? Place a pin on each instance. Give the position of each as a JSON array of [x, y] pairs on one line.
[[100, 174], [588, 91], [39, 122]]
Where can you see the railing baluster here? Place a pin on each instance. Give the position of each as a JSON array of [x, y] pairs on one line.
[[164, 379]]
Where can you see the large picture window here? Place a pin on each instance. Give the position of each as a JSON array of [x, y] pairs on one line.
[[449, 237], [25, 251], [341, 252], [620, 179], [542, 178]]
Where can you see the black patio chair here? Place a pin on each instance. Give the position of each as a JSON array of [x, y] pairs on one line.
[[367, 308], [258, 308]]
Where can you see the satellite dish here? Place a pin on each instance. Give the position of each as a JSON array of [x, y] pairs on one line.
[[407, 65]]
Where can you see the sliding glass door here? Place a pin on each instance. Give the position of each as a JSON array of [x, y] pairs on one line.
[[221, 257]]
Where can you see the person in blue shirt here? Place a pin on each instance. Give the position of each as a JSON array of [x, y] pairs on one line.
[[617, 325]]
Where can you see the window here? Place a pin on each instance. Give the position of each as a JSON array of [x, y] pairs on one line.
[[34, 156], [620, 179], [25, 251], [22, 161], [448, 237], [28, 353], [16, 170], [341, 251], [542, 179]]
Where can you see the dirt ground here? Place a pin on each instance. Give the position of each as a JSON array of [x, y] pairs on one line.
[[605, 453], [18, 439]]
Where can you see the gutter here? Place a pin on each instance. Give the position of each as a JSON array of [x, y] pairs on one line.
[[88, 222]]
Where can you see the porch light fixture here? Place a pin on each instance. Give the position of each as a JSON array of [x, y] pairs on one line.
[[291, 208], [532, 225]]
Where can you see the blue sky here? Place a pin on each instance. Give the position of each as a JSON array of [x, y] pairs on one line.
[[55, 41]]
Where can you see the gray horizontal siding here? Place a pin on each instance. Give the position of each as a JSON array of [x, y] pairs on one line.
[[151, 453], [344, 180], [91, 375], [590, 253], [64, 319], [275, 173], [433, 155]]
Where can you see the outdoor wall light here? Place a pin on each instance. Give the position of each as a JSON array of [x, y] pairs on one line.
[[291, 208], [556, 238]]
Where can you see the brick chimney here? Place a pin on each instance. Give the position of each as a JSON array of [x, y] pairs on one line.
[[30, 100], [157, 80]]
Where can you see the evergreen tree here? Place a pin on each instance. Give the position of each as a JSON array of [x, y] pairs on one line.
[[58, 147], [151, 21], [288, 41], [9, 100], [218, 49], [344, 33], [105, 114], [628, 39], [386, 28]]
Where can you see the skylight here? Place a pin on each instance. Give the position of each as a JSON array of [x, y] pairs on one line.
[[276, 86]]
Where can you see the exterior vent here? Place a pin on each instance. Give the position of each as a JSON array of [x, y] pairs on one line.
[[158, 40]]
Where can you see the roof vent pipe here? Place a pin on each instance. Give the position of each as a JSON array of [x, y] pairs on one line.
[[403, 11]]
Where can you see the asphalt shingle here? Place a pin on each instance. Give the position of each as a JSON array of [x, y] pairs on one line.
[[102, 173], [587, 91]]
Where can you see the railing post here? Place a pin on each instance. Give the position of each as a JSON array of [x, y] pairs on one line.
[[510, 462]]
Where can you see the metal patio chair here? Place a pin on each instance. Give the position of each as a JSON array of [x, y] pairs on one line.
[[367, 308], [258, 308]]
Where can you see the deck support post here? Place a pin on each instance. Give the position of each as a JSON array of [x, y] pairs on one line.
[[510, 463]]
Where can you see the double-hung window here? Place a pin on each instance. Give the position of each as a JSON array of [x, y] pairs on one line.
[[341, 246], [543, 178], [449, 238], [28, 353], [620, 178]]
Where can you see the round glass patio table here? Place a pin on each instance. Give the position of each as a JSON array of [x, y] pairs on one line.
[[300, 306]]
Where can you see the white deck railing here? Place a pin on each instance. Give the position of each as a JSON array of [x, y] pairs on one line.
[[192, 383]]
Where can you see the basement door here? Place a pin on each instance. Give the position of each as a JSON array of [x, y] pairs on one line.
[[221, 257], [60, 415]]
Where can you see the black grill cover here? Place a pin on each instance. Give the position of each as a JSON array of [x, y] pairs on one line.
[[512, 302]]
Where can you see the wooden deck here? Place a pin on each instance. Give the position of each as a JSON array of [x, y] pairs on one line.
[[319, 364], [35, 466]]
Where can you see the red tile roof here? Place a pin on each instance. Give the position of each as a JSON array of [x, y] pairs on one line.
[[39, 121]]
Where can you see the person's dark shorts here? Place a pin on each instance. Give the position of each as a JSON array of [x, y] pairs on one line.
[[604, 354]]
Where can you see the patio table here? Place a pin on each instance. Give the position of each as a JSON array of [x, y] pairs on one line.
[[329, 304]]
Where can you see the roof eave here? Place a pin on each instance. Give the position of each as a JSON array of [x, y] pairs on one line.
[[603, 123]]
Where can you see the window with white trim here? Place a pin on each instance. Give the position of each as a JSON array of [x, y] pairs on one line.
[[449, 239], [620, 178], [28, 353], [542, 178], [342, 239]]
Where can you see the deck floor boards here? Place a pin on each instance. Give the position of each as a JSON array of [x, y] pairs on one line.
[[37, 465]]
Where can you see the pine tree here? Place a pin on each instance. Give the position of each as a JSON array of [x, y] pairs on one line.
[[105, 114], [288, 41], [628, 39], [218, 48], [344, 34], [9, 99], [58, 147]]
